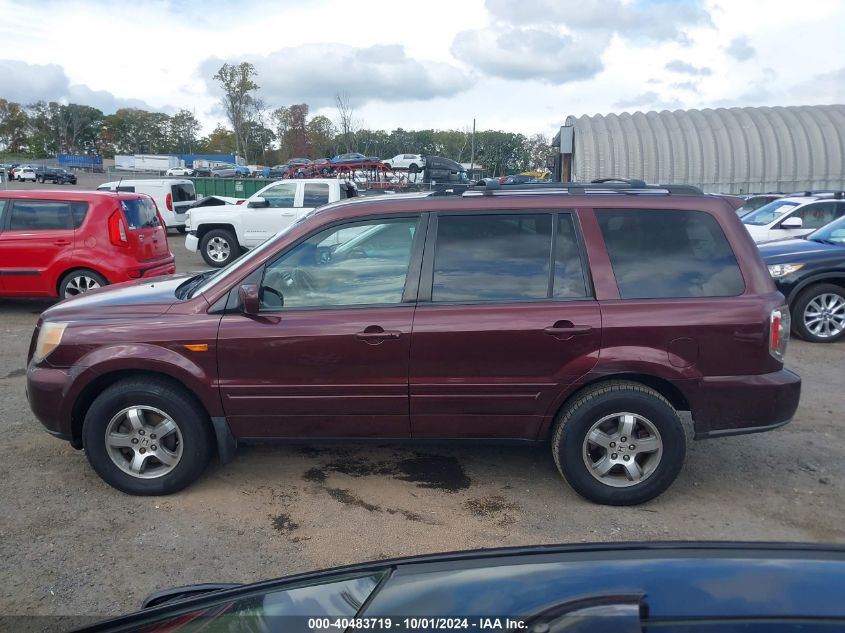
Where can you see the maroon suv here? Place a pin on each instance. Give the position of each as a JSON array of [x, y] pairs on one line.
[[585, 316]]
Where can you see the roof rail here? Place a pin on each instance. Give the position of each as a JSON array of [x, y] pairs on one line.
[[600, 186]]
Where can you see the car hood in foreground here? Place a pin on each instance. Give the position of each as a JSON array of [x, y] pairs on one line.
[[145, 296], [795, 250]]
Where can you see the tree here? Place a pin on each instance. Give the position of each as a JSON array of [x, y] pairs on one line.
[[238, 96], [539, 150], [220, 141], [347, 124], [184, 131], [320, 132], [13, 126]]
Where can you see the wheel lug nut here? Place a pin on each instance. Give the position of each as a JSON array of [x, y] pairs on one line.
[[613, 445], [141, 432], [626, 457], [134, 440], [624, 439], [153, 447], [152, 436], [632, 446], [614, 456], [143, 450]]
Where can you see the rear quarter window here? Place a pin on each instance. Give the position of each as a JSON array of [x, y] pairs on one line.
[[659, 254], [78, 211]]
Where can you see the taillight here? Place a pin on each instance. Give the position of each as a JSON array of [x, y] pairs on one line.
[[117, 230], [780, 323], [168, 201]]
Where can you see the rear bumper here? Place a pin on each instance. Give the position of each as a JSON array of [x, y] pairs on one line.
[[734, 405], [167, 268]]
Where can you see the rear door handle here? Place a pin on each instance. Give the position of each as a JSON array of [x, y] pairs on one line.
[[566, 329], [62, 242]]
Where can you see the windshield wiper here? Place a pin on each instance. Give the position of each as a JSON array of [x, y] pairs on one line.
[[186, 288]]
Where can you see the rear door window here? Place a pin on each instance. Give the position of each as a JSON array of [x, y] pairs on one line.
[[669, 254], [316, 195], [140, 213], [183, 192], [40, 215]]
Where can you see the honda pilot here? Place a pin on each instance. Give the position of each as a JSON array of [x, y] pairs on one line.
[[584, 317]]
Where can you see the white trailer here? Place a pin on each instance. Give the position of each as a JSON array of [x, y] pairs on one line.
[[152, 162]]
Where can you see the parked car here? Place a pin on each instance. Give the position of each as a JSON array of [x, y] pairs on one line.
[[222, 233], [56, 175], [276, 171], [25, 174], [173, 197], [516, 179], [179, 171], [17, 168], [793, 216], [354, 157], [62, 243], [298, 161], [810, 272], [202, 172], [752, 203], [411, 162], [230, 171], [607, 587], [437, 317]]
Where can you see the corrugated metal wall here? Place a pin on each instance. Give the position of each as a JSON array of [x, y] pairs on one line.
[[727, 150]]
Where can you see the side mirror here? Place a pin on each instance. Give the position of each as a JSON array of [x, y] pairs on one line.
[[792, 223], [249, 299], [258, 203]]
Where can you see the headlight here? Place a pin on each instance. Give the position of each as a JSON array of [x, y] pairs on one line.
[[48, 339], [782, 270]]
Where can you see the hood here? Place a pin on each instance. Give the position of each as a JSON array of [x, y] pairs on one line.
[[145, 296], [794, 250]]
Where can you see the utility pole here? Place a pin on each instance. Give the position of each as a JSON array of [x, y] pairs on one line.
[[472, 151]]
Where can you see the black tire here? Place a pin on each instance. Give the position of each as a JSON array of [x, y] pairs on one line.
[[76, 282], [413, 168], [192, 422], [607, 399], [228, 237], [799, 308], [182, 229]]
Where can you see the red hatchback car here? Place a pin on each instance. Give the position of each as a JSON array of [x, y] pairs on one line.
[[585, 317], [61, 243]]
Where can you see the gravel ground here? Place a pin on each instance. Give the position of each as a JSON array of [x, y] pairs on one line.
[[71, 545]]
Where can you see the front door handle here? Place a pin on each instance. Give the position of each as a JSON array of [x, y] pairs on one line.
[[564, 330], [62, 243], [376, 334]]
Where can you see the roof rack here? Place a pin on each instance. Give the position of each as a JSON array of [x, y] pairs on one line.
[[599, 186]]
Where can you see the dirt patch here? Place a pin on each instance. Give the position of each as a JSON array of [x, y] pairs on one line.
[[15, 373], [494, 507], [284, 524], [435, 472], [345, 497], [316, 474]]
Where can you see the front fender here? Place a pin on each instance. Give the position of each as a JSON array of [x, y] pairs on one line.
[[199, 377]]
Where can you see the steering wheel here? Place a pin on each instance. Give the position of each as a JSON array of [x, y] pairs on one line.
[[298, 278]]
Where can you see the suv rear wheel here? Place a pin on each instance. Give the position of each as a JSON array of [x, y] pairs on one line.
[[819, 313], [147, 437], [619, 443], [219, 247]]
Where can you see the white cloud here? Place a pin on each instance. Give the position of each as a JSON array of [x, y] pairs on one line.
[[740, 49], [685, 68]]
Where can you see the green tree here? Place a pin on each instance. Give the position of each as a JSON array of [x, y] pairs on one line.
[[320, 132], [220, 141], [239, 88], [13, 126], [184, 132]]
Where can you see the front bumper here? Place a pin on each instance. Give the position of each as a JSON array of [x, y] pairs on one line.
[[192, 242], [47, 390], [734, 405]]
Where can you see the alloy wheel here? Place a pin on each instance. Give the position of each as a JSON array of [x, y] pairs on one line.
[[218, 249], [79, 284], [622, 449], [824, 315], [144, 442]]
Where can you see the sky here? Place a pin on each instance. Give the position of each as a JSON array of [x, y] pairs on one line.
[[521, 66]]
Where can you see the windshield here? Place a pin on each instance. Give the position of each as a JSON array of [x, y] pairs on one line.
[[243, 262], [768, 213], [833, 233]]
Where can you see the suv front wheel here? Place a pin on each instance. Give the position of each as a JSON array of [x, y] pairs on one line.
[[819, 313], [147, 437], [619, 443]]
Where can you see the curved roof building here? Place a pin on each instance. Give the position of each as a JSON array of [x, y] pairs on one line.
[[728, 150]]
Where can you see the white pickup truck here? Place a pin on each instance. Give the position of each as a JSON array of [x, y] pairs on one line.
[[222, 232]]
